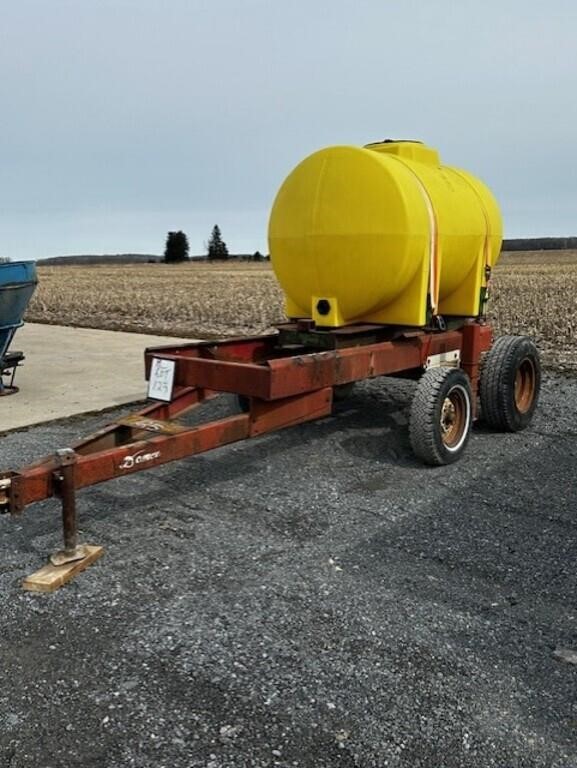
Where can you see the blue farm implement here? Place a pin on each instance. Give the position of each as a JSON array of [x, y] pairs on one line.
[[17, 284]]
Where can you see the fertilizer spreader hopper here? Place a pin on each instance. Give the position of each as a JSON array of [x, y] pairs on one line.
[[17, 284]]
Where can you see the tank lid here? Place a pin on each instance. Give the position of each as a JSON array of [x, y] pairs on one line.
[[407, 148]]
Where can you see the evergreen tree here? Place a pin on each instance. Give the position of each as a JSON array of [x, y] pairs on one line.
[[216, 246], [176, 248], [257, 256]]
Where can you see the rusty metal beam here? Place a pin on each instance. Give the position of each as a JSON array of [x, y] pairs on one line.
[[223, 376], [184, 400], [277, 414], [289, 375]]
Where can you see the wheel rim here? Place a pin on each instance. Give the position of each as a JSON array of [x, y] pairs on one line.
[[525, 380], [454, 418]]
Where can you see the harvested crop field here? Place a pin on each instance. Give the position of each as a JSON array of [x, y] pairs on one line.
[[532, 292], [199, 300]]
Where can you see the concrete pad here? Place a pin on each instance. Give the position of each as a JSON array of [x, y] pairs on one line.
[[68, 371]]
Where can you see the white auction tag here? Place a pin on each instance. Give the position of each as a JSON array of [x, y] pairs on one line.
[[161, 379]]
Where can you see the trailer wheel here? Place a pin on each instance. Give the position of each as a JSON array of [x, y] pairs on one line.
[[441, 416], [510, 383], [343, 391]]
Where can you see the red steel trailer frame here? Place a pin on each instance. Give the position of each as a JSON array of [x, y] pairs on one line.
[[284, 379]]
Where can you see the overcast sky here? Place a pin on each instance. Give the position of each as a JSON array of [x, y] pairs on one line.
[[123, 119]]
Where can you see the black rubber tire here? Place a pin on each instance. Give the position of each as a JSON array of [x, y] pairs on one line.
[[343, 391], [427, 434], [508, 400]]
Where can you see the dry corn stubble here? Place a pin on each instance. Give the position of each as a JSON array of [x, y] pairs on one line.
[[189, 299], [533, 293]]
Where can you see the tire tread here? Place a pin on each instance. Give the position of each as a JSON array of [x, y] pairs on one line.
[[423, 424], [495, 384]]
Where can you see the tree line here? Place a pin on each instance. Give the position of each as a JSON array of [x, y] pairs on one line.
[[540, 244], [177, 248]]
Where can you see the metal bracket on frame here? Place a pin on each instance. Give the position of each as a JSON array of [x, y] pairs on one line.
[[451, 359]]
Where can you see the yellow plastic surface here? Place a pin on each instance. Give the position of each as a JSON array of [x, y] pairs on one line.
[[383, 234]]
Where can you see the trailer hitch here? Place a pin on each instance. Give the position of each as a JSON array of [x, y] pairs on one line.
[[11, 500], [4, 495], [63, 481]]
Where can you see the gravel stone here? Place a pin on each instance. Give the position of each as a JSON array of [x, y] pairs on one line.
[[566, 654]]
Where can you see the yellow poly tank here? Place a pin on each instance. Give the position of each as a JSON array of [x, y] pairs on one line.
[[382, 234]]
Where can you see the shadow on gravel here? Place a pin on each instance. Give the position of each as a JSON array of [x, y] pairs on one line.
[[489, 568]]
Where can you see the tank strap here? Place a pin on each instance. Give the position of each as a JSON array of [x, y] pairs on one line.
[[487, 241], [434, 262]]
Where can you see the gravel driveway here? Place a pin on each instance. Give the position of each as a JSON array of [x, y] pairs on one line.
[[311, 598]]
